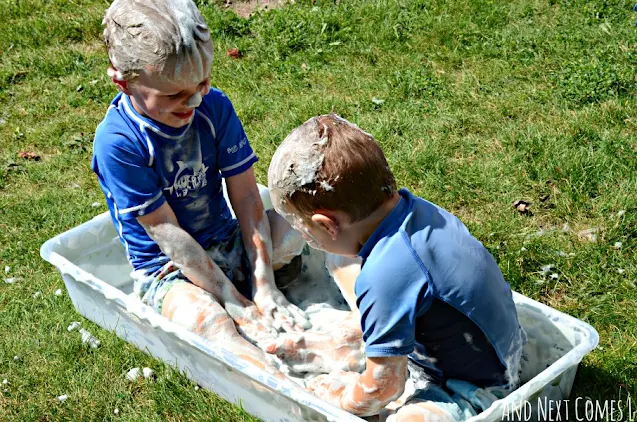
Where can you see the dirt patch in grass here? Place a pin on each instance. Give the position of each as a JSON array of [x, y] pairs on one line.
[[248, 7]]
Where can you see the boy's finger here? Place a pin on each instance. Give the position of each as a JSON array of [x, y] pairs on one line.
[[286, 323], [269, 325], [288, 328], [267, 320], [297, 311], [264, 338], [285, 343], [273, 332], [284, 313], [277, 324], [317, 382], [300, 317], [273, 347]]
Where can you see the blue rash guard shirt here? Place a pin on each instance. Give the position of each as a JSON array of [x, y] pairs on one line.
[[430, 290], [141, 164]]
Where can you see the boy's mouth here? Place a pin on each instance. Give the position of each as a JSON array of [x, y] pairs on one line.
[[185, 115]]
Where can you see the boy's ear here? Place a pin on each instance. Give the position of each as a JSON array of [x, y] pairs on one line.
[[328, 222], [117, 79]]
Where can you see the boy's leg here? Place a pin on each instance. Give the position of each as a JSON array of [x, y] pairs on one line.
[[169, 292], [287, 243], [425, 400], [424, 411], [198, 311]]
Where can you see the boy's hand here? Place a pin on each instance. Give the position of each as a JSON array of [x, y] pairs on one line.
[[364, 394], [320, 352], [249, 321], [277, 309], [333, 386]]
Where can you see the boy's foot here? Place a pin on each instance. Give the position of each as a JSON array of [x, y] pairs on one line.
[[287, 275]]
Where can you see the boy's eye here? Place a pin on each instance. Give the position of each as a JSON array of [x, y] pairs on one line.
[[174, 96]]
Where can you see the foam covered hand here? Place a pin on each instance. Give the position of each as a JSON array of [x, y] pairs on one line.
[[364, 394], [333, 386], [318, 352], [278, 310], [249, 321]]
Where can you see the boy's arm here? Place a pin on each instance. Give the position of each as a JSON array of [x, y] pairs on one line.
[[255, 231], [188, 255], [364, 394]]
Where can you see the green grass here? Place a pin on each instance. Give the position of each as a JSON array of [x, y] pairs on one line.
[[485, 102]]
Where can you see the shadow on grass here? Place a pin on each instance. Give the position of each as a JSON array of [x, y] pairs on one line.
[[600, 384]]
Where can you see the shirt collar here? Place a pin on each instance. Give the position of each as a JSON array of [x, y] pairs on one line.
[[390, 224]]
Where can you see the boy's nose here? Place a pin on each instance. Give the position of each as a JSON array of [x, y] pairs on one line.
[[194, 100]]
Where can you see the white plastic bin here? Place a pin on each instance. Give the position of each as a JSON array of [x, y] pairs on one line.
[[94, 268]]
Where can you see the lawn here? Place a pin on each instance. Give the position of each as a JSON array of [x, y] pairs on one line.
[[476, 104]]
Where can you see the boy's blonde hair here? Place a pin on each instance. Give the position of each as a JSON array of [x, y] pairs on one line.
[[145, 33], [329, 163]]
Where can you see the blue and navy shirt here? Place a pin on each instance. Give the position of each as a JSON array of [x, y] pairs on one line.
[[141, 164], [430, 290]]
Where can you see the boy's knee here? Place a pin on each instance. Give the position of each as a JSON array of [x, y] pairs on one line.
[[195, 309], [420, 412], [212, 324], [290, 246]]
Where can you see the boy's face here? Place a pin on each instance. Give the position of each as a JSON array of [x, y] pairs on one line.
[[171, 95], [318, 235]]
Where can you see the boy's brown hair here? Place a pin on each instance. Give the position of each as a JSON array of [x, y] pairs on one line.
[[329, 163]]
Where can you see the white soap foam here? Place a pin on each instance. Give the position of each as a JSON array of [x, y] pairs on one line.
[[89, 339], [147, 372], [133, 374]]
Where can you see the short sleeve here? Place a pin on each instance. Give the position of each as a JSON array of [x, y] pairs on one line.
[[392, 291], [235, 155], [125, 171]]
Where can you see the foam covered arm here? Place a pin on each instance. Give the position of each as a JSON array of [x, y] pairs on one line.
[[255, 231], [188, 255], [364, 394]]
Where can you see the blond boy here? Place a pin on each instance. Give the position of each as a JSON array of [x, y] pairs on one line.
[[160, 155]]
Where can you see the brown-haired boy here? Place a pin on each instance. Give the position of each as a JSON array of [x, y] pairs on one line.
[[426, 289]]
